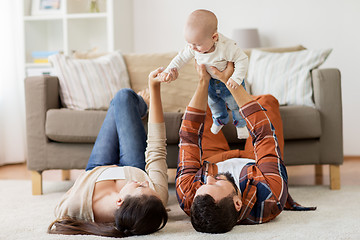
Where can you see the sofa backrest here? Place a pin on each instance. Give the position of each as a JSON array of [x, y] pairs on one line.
[[176, 95]]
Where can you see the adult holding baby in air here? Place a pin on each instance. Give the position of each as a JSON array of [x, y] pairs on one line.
[[235, 188]]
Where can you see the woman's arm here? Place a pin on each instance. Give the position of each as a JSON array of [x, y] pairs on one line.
[[156, 114], [155, 155]]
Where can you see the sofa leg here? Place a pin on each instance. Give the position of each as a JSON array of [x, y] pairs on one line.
[[36, 179], [65, 175], [318, 174], [334, 177]]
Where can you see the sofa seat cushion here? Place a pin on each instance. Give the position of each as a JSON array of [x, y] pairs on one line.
[[300, 122], [73, 126], [77, 126]]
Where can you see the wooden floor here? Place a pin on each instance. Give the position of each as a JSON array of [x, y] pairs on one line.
[[298, 175]]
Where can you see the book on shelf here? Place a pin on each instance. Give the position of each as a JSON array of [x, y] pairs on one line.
[[42, 56]]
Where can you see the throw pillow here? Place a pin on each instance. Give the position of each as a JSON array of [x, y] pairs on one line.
[[285, 75], [90, 83]]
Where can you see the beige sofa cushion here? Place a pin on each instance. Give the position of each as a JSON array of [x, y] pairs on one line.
[[300, 122], [176, 95], [75, 126], [90, 83]]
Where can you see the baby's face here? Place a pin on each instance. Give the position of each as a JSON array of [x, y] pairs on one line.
[[200, 43]]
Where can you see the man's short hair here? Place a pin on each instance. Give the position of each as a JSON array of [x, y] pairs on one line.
[[211, 217]]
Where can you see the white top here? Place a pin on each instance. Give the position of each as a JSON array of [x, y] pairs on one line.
[[225, 51], [114, 173], [234, 167]]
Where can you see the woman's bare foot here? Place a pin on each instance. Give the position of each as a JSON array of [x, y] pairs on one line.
[[145, 94]]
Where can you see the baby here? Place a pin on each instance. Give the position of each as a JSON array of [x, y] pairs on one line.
[[212, 49]]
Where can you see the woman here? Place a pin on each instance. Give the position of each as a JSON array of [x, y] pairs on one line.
[[123, 191]]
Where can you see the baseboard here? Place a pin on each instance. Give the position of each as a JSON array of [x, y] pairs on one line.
[[349, 157]]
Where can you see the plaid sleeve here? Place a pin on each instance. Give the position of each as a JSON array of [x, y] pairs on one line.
[[264, 184], [190, 171]]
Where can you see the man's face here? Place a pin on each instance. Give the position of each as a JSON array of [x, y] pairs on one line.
[[217, 187]]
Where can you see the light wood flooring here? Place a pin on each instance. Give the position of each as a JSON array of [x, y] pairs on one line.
[[298, 175]]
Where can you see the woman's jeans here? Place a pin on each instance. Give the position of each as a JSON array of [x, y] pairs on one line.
[[122, 137], [220, 97]]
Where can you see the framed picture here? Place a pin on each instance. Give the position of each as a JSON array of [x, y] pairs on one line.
[[46, 7]]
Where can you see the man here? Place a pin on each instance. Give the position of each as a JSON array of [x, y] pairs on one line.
[[220, 195]]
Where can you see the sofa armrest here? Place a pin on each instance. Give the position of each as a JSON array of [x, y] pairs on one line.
[[41, 94], [327, 98]]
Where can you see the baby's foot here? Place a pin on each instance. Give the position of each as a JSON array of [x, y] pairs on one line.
[[215, 129], [145, 94]]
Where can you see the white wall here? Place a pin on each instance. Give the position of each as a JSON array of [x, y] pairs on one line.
[[158, 27]]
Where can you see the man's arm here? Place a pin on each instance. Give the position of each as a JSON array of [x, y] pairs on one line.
[[199, 100], [190, 171], [264, 183], [240, 95]]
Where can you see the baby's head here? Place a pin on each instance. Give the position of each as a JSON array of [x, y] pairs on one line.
[[201, 31]]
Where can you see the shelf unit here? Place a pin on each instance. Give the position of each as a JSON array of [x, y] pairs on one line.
[[75, 28]]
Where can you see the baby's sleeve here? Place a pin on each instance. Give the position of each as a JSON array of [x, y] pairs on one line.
[[241, 62], [181, 59]]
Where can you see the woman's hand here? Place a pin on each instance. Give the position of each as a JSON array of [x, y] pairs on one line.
[[154, 77], [204, 76], [225, 74]]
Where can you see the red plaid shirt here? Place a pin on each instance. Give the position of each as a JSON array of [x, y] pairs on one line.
[[263, 184]]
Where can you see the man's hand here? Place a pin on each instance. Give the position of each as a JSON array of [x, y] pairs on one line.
[[224, 75], [204, 76], [231, 83]]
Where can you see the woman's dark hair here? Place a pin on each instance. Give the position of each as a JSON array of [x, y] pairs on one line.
[[136, 216], [213, 217]]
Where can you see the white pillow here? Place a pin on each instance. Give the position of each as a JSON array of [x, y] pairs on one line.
[[285, 75], [90, 83]]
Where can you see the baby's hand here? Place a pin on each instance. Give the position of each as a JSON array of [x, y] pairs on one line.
[[162, 76], [169, 77], [231, 83]]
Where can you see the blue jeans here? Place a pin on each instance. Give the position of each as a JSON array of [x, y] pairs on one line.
[[122, 137], [220, 97]]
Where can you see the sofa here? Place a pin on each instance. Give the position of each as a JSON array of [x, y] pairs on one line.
[[61, 138]]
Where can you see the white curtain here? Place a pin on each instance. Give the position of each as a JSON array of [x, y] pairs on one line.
[[12, 103]]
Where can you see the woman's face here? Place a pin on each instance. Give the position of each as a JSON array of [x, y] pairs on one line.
[[134, 188]]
